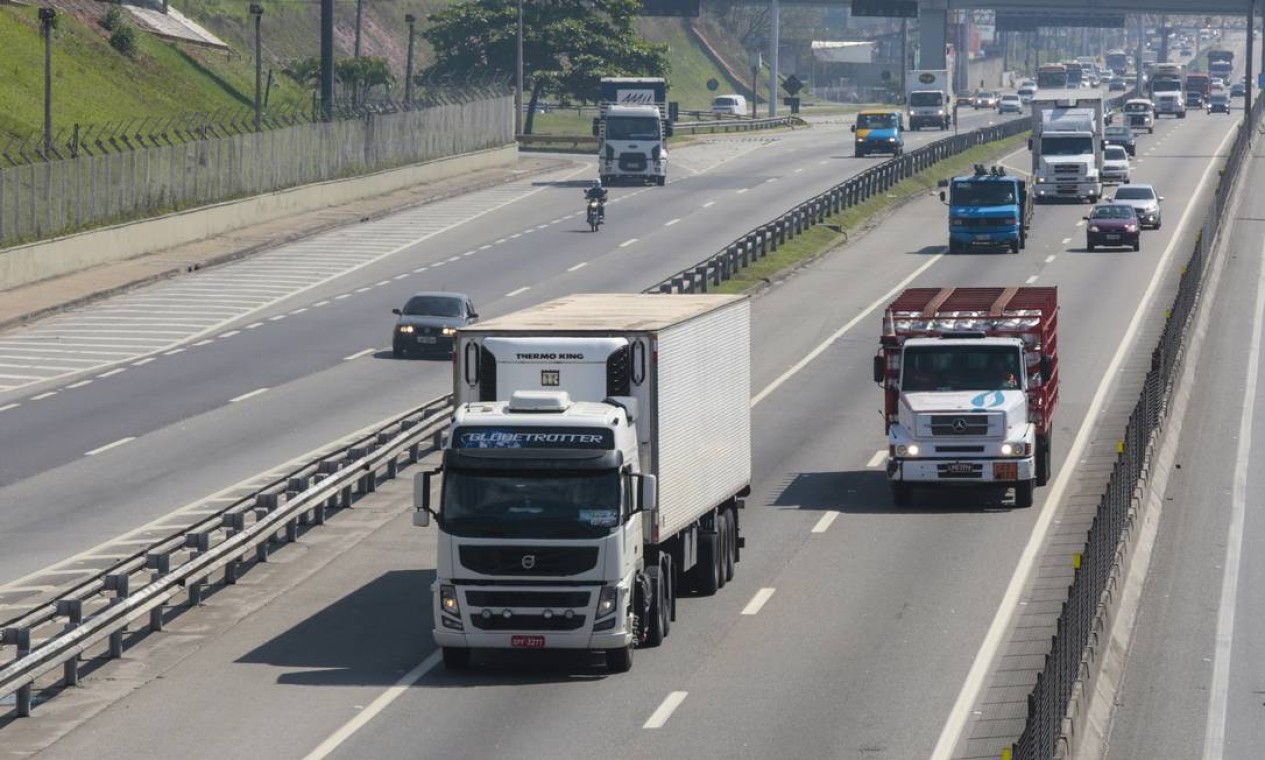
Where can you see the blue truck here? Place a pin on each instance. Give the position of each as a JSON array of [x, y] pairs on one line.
[[987, 209], [879, 131]]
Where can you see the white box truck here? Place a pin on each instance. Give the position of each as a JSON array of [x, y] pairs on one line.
[[632, 130], [927, 98], [1066, 145], [599, 453]]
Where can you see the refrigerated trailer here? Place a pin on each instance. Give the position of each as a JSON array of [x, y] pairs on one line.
[[597, 460]]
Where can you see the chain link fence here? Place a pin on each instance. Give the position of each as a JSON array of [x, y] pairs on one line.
[[1081, 628], [106, 175]]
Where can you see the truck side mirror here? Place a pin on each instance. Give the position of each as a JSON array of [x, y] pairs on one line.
[[647, 494], [942, 196], [421, 498], [668, 129], [597, 127], [1029, 143], [880, 368], [853, 127], [395, 311]]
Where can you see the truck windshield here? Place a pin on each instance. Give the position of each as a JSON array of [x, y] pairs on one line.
[[925, 99], [1067, 146], [531, 504], [1051, 80], [876, 121], [961, 368], [632, 128], [983, 194]]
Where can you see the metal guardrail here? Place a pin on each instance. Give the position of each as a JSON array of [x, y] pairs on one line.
[[735, 125], [1081, 623], [100, 610], [767, 238]]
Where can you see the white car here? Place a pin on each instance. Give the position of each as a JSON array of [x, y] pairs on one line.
[[1027, 92], [1145, 201], [1009, 104], [1115, 165]]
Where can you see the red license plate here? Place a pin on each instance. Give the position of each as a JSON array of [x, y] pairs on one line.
[[528, 642], [1005, 471]]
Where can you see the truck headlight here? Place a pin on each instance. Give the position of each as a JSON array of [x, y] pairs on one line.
[[448, 600], [449, 331], [940, 112], [607, 601], [907, 450], [1014, 449], [891, 139]]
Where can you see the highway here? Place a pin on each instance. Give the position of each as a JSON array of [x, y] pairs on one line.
[[871, 618]]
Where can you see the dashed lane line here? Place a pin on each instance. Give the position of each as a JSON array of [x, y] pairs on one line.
[[359, 354], [79, 384], [627, 242], [709, 204], [245, 396], [7, 407], [1030, 280], [660, 716], [43, 396], [518, 291], [581, 265], [671, 222], [758, 601], [824, 523], [108, 446], [1050, 259]]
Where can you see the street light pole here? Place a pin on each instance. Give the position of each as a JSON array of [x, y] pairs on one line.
[[257, 11], [359, 16], [409, 19], [46, 25], [518, 78]]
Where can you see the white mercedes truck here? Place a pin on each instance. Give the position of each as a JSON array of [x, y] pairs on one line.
[[1067, 145], [599, 453]]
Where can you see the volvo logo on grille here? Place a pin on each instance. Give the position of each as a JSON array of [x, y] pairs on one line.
[[529, 561], [959, 425]]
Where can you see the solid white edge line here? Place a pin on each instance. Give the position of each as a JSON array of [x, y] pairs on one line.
[[661, 715], [245, 396], [821, 347], [974, 683], [375, 707], [109, 446], [824, 523], [759, 600], [1219, 689], [519, 291], [359, 354]]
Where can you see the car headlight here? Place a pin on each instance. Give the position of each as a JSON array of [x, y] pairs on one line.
[[1130, 228], [448, 600], [406, 328], [607, 601], [907, 450], [1093, 228], [940, 112], [449, 331]]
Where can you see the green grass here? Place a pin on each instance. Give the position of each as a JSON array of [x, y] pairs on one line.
[[691, 66], [821, 238]]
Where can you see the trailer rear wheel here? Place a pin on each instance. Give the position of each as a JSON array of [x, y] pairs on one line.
[[456, 658], [722, 549], [731, 544], [1043, 459], [619, 660], [704, 578], [1023, 494]]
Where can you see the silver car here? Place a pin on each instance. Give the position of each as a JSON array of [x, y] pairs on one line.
[[1145, 201], [1115, 165]]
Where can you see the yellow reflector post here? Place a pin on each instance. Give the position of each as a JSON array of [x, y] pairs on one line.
[[1076, 560]]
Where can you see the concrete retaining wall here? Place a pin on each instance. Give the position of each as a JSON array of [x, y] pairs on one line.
[[26, 264]]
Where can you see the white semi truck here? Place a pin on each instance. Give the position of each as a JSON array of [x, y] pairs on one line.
[[599, 453], [927, 98], [632, 130], [1067, 145]]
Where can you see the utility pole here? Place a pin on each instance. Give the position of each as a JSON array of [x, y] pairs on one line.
[[776, 42], [904, 57], [1247, 86], [47, 16], [409, 19], [257, 11], [755, 81], [518, 78], [360, 7], [327, 60]]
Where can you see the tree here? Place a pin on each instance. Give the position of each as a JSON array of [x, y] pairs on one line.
[[568, 45], [359, 76]]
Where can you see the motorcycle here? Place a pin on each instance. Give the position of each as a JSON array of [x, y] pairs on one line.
[[594, 216]]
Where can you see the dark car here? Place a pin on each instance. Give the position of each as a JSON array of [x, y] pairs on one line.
[[1117, 85], [1113, 225], [1237, 90], [1219, 103], [1122, 135], [1194, 99], [428, 322]]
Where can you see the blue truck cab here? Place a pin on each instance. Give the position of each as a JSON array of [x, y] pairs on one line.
[[987, 209], [879, 132]]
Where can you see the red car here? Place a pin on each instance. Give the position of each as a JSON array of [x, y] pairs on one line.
[[1113, 225]]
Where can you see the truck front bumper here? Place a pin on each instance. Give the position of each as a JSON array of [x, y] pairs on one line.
[[1068, 189], [533, 639], [961, 472], [982, 238]]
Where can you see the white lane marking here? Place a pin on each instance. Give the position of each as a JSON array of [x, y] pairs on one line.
[[1081, 223], [743, 190], [485, 247], [43, 396], [336, 298], [670, 222], [438, 264], [661, 715], [111, 373], [1050, 259], [245, 396], [822, 163], [877, 459], [1066, 241], [800, 169], [173, 352], [296, 311], [883, 300], [402, 276], [79, 384], [381, 283], [322, 303], [109, 446], [994, 639], [709, 204], [143, 362], [451, 259], [627, 242], [206, 342], [771, 179], [1030, 280], [1219, 690], [502, 240], [362, 290], [824, 523], [7, 407], [277, 318], [375, 707], [229, 334], [519, 291], [253, 325], [516, 235], [758, 601], [581, 265], [359, 354]]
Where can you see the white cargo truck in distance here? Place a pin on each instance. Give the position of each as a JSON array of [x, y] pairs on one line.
[[598, 456], [632, 130], [927, 98], [1067, 145]]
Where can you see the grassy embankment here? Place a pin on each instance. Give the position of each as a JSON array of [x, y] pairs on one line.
[[822, 237]]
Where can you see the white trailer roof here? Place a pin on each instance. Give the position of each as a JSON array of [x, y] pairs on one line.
[[606, 311]]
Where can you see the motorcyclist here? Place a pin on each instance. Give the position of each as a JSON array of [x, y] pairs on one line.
[[597, 193]]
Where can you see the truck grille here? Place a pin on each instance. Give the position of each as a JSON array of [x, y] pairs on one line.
[[1066, 168], [632, 162], [540, 599], [981, 222], [528, 623], [529, 560], [959, 424]]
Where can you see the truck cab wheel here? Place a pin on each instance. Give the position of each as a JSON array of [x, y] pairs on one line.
[[1023, 494], [704, 578], [1043, 458], [619, 660], [456, 658], [655, 629], [1014, 246], [661, 181]]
